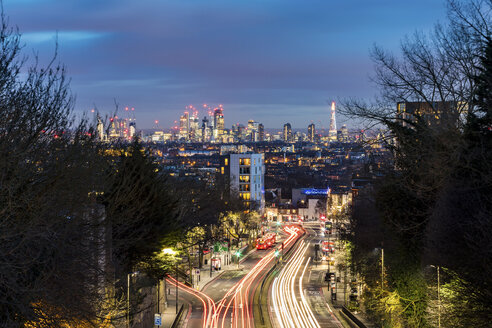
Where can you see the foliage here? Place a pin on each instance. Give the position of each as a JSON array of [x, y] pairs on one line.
[[434, 205], [141, 212]]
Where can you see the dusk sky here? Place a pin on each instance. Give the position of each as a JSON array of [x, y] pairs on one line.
[[274, 61]]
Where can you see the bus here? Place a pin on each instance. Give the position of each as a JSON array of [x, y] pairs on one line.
[[266, 241]]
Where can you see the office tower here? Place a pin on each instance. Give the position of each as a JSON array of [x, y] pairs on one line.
[[205, 130], [101, 134], [261, 132], [246, 176], [195, 130], [332, 133], [253, 131], [132, 129], [287, 132], [311, 132], [218, 122], [345, 136], [184, 126]]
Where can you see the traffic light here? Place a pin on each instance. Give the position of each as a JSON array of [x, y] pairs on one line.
[[238, 253], [277, 253]]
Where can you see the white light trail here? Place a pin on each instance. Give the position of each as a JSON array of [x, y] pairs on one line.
[[290, 312]]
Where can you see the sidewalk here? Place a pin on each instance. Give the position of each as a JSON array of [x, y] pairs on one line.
[[169, 313], [205, 276]]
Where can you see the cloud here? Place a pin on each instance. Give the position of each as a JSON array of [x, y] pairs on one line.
[[62, 36]]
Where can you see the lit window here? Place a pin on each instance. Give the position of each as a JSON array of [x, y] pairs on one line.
[[226, 162], [244, 161], [222, 170]]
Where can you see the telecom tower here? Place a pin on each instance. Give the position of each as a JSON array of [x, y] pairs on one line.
[[332, 134]]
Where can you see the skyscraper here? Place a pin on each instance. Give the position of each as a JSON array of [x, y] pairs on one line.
[[218, 122], [332, 134], [261, 132], [345, 136], [205, 130], [287, 132], [311, 132], [184, 126]]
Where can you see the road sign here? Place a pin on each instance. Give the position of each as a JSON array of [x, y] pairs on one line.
[[157, 319]]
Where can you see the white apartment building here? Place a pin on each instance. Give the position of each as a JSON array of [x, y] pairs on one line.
[[247, 176]]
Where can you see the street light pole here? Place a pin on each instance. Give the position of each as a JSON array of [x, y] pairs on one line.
[[128, 301], [176, 287], [438, 299], [382, 268]]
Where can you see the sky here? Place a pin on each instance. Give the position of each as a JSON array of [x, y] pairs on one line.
[[274, 61]]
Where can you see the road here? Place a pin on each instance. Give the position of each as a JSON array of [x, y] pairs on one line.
[[296, 294], [227, 301]]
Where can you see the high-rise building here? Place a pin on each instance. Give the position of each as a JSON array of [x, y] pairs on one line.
[[246, 176], [345, 135], [332, 133], [184, 126], [311, 132], [218, 122], [287, 132], [101, 134], [206, 134], [261, 132], [195, 130], [253, 131]]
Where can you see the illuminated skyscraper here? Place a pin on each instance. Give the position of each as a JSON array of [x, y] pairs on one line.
[[287, 132], [184, 126], [345, 136], [218, 122], [205, 130], [311, 132], [261, 132], [195, 130], [333, 124]]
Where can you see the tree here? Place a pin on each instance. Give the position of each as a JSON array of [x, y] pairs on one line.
[[440, 171], [56, 267]]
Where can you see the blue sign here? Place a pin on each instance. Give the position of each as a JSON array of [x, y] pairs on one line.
[[315, 191], [157, 319]]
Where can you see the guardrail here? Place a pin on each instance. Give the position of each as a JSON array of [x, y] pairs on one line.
[[178, 317], [273, 268], [352, 317]]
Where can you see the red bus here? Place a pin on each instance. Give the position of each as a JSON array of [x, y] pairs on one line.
[[261, 244], [266, 241]]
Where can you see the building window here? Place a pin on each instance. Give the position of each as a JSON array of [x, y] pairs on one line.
[[222, 170], [244, 161], [246, 196], [226, 162], [244, 178], [244, 187], [245, 170]]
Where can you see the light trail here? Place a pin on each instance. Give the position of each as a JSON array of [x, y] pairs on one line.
[[208, 303], [289, 311], [238, 295]]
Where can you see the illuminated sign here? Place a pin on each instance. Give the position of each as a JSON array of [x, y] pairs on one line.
[[316, 191]]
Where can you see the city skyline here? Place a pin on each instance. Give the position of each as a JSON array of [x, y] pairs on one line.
[[261, 60]]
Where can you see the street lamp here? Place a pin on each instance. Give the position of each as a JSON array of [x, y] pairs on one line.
[[170, 251], [238, 254], [382, 265], [128, 297], [438, 297]]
